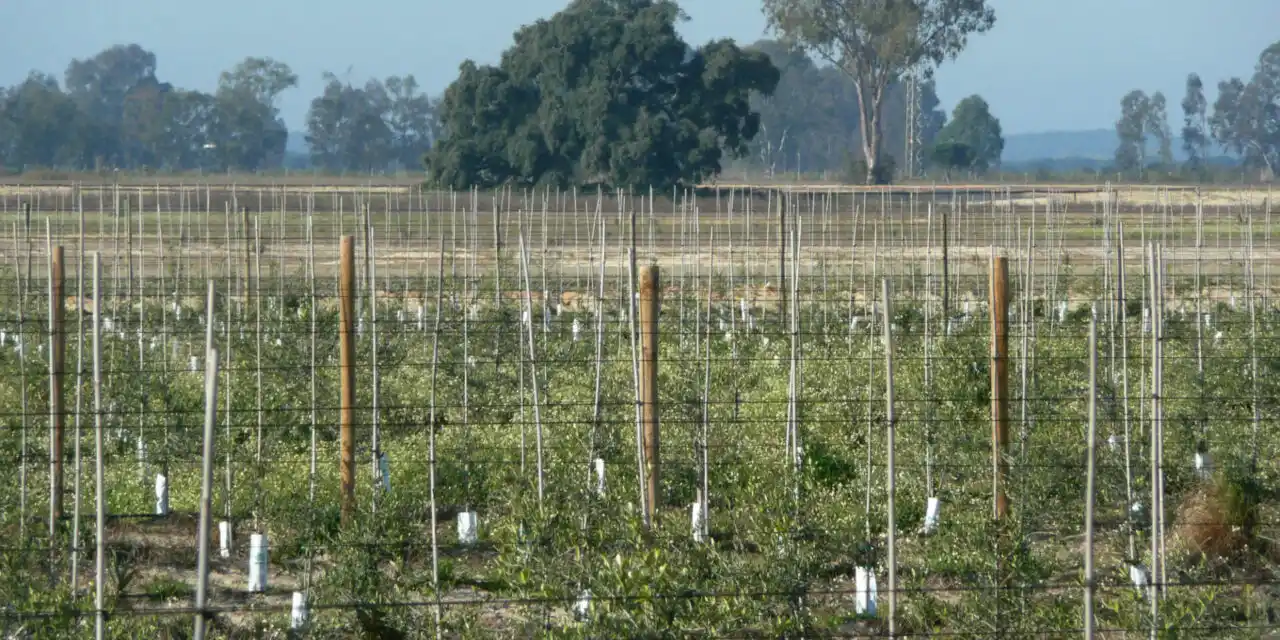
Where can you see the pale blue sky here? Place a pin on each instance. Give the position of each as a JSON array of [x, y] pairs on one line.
[[1047, 64]]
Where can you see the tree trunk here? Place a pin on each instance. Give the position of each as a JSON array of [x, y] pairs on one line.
[[869, 124], [865, 128], [872, 165]]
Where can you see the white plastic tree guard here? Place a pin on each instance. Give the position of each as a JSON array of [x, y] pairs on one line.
[[258, 559], [582, 608], [299, 614], [384, 470], [698, 521], [162, 495], [865, 588], [1203, 464], [224, 539], [468, 525], [931, 515]]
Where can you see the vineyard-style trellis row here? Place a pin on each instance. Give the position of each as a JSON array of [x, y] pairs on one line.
[[738, 411]]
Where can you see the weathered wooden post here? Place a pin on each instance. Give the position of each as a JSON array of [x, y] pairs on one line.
[[347, 373], [999, 305], [57, 420], [649, 302]]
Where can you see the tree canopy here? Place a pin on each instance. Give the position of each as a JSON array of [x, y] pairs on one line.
[[1195, 123], [810, 123], [973, 128], [877, 43], [384, 123], [115, 112], [604, 91], [1142, 118], [1246, 116]]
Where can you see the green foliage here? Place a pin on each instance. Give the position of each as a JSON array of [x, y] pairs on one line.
[[115, 112], [1141, 118], [952, 156], [1246, 116], [810, 123], [784, 545], [878, 43], [382, 124], [605, 92], [1195, 126], [41, 125], [972, 127]]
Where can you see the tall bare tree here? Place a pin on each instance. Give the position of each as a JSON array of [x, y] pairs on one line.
[[876, 42], [1195, 123]]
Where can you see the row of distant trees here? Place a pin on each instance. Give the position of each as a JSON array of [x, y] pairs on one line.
[[810, 125], [1244, 121], [111, 111], [607, 92], [603, 92]]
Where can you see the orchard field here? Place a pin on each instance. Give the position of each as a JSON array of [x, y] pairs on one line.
[[498, 383]]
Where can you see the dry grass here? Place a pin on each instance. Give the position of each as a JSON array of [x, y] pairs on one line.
[[1212, 520]]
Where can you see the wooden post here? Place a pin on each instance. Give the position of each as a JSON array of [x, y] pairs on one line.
[[347, 371], [999, 304], [649, 291], [57, 419]]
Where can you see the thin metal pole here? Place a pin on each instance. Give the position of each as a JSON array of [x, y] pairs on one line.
[[533, 369], [1089, 586], [890, 430], [999, 308], [1153, 454], [1123, 305], [100, 555], [75, 509], [633, 327], [372, 268], [57, 419], [782, 256], [206, 483], [431, 438], [1158, 415]]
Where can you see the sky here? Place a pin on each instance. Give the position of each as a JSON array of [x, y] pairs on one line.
[[1043, 67]]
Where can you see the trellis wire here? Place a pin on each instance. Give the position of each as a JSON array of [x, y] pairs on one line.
[[817, 423]]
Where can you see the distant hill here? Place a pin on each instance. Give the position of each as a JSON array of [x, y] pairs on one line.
[[1093, 144], [1088, 149], [1084, 148]]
